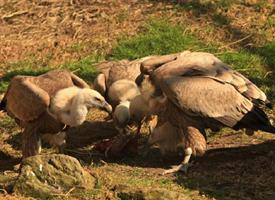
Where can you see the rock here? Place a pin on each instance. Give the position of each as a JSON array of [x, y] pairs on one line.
[[43, 176]]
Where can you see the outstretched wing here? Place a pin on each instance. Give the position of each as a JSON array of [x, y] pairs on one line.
[[206, 64], [201, 85], [25, 100], [207, 98]]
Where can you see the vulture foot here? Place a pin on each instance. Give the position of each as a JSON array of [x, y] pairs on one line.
[[58, 141], [183, 167]]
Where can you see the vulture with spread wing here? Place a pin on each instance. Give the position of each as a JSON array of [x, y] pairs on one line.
[[196, 91], [36, 106]]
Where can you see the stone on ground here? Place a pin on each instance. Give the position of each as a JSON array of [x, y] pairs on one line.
[[43, 176]]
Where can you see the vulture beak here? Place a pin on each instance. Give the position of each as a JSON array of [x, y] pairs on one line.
[[107, 107]]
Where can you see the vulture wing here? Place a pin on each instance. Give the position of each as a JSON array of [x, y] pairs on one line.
[[25, 100], [201, 85], [206, 64], [208, 98], [78, 81], [151, 63]]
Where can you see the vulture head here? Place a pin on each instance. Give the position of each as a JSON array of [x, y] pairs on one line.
[[71, 105], [92, 98], [122, 90], [121, 93]]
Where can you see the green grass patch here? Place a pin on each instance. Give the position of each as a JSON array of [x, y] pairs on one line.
[[85, 68], [271, 21], [248, 64], [158, 38], [267, 52], [7, 122]]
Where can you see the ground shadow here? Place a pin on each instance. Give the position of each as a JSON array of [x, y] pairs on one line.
[[8, 162], [234, 173]]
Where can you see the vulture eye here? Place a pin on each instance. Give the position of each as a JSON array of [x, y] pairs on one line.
[[97, 99]]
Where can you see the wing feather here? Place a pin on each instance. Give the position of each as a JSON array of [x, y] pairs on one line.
[[25, 100], [208, 98]]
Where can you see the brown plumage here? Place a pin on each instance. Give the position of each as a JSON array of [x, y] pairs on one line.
[[27, 100], [117, 83], [199, 91], [111, 71]]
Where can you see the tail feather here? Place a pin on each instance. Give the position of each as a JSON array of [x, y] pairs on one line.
[[256, 119], [269, 129]]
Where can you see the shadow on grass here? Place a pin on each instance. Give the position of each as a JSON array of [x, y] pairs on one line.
[[234, 173], [7, 162], [226, 173], [212, 11]]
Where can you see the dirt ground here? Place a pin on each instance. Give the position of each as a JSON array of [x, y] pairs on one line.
[[51, 32]]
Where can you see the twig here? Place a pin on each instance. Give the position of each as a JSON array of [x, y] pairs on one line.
[[5, 191], [236, 42], [72, 189], [18, 13], [268, 73], [76, 70]]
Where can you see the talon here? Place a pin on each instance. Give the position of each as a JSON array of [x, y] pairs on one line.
[[178, 168]]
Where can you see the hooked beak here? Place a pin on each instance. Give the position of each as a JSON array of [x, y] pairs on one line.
[[107, 107]]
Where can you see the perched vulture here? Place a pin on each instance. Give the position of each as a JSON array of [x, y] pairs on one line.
[[29, 99], [196, 91], [112, 71], [71, 105], [117, 83], [122, 95]]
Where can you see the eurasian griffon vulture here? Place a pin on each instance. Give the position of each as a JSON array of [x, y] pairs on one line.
[[28, 100], [112, 71], [196, 91], [117, 83]]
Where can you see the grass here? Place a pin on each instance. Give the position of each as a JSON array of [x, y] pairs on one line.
[[268, 54], [7, 123], [83, 68], [159, 38]]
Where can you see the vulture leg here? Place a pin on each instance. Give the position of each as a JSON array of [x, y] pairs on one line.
[[194, 143], [183, 166], [58, 141], [139, 128], [31, 143]]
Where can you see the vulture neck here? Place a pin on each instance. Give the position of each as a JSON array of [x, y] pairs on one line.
[[78, 111]]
